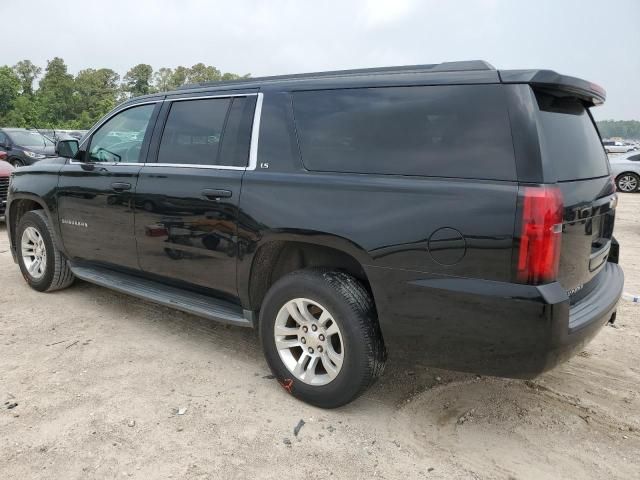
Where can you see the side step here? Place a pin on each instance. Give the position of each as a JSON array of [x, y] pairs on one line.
[[190, 302]]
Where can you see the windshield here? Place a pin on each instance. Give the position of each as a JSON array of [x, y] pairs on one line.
[[30, 139], [570, 139]]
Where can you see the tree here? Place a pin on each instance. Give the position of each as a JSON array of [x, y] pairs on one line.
[[137, 81], [234, 76], [27, 72], [179, 77], [65, 101], [9, 89], [201, 73], [620, 128], [162, 79], [24, 114], [96, 92], [55, 94]]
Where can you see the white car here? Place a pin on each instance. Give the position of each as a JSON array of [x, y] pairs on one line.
[[626, 171], [617, 147]]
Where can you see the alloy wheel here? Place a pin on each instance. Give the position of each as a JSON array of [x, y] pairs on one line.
[[309, 341], [34, 252], [628, 183]]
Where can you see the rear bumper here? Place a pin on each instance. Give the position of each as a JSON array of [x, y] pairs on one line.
[[488, 327]]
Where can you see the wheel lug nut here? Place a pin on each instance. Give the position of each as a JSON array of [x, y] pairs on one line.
[[303, 340], [320, 349], [310, 350], [321, 337], [314, 327], [305, 329]]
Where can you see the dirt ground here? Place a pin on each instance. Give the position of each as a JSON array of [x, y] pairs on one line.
[[102, 381]]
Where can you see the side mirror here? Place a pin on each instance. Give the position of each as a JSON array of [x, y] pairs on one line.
[[67, 148]]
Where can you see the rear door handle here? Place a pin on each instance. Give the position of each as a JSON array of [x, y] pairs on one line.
[[216, 194], [120, 186]]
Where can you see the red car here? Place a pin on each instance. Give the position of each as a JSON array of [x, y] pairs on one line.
[[5, 173]]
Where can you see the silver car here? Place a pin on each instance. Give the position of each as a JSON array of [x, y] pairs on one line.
[[625, 169]]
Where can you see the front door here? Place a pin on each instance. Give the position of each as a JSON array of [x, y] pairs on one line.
[[95, 191], [187, 200]]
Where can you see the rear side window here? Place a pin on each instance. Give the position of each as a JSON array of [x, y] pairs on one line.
[[569, 138], [214, 131], [443, 131]]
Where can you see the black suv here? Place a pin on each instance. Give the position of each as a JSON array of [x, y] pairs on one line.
[[24, 147], [454, 210]]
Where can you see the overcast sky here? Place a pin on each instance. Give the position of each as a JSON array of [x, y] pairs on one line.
[[598, 40]]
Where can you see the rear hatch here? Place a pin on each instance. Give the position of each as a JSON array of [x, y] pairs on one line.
[[573, 156]]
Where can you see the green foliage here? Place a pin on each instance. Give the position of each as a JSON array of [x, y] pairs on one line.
[[9, 89], [64, 101], [55, 95], [620, 128], [27, 72], [137, 81]]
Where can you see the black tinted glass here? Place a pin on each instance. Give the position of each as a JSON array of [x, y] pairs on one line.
[[193, 132], [569, 138], [237, 133], [443, 131]]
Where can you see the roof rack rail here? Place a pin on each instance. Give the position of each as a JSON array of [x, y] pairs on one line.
[[461, 66]]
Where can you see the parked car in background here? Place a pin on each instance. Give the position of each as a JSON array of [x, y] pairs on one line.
[[5, 173], [626, 171], [25, 147], [617, 147], [343, 212]]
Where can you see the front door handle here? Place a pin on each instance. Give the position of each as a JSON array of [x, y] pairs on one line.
[[216, 194], [120, 186]]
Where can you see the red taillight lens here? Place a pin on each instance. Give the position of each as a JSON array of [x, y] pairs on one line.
[[540, 235]]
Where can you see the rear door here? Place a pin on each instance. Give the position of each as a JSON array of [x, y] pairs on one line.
[[187, 196], [573, 155], [95, 191]]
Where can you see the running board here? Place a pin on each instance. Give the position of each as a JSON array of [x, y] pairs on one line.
[[189, 302]]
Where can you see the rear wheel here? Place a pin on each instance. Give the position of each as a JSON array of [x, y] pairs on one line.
[[628, 182], [321, 337], [42, 265]]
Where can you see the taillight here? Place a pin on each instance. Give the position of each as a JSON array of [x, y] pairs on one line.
[[540, 234]]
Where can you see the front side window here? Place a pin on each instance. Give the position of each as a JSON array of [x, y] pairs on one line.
[[120, 139], [212, 131]]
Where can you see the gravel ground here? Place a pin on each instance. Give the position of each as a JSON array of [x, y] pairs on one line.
[[108, 386]]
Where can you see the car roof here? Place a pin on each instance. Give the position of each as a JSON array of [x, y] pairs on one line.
[[447, 73]]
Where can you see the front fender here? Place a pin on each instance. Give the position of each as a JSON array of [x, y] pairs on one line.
[[36, 183]]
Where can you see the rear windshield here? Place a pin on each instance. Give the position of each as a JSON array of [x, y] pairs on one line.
[[570, 140], [457, 131]]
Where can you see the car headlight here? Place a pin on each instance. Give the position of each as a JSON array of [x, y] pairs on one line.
[[34, 155]]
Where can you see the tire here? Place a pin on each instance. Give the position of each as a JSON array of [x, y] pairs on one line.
[[628, 182], [358, 340], [56, 274], [16, 162]]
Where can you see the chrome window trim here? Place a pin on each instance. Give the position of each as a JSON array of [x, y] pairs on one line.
[[253, 146]]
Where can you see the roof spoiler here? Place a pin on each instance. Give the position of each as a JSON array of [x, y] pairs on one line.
[[548, 79]]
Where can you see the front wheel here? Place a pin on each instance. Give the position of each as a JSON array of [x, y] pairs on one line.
[[16, 162], [321, 336], [628, 182]]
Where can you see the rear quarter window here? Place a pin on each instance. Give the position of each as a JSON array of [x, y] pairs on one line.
[[569, 139], [457, 131]]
